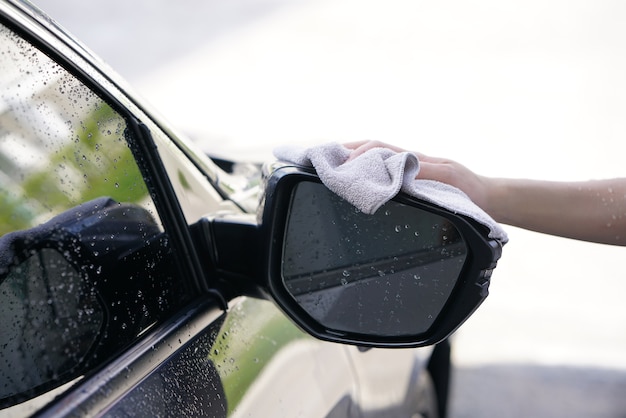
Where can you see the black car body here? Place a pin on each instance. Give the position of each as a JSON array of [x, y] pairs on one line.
[[138, 277]]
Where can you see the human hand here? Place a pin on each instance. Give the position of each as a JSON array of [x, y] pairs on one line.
[[439, 169]]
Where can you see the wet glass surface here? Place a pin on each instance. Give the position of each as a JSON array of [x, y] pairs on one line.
[[386, 274], [60, 144], [76, 286], [49, 322]]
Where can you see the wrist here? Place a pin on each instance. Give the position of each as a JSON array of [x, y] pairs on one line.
[[494, 197]]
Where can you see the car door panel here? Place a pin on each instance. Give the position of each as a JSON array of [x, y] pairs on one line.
[[242, 364], [146, 361], [386, 385], [271, 368]]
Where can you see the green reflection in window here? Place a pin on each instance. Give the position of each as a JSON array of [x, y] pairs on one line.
[[98, 162], [60, 144]]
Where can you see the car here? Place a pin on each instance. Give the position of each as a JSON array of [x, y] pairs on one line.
[[141, 277]]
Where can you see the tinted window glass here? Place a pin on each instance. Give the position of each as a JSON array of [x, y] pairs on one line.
[[60, 145], [85, 266], [48, 322]]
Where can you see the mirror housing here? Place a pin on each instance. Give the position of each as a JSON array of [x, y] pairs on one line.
[[407, 276]]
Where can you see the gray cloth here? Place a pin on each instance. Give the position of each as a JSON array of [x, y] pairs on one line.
[[376, 176]]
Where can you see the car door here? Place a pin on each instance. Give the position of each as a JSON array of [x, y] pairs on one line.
[[106, 308]]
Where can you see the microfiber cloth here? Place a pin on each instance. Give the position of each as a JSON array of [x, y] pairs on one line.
[[376, 176]]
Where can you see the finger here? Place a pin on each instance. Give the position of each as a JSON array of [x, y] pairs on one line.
[[361, 147], [354, 145], [430, 171], [429, 159]]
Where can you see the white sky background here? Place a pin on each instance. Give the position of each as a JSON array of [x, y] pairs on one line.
[[524, 89], [538, 86]]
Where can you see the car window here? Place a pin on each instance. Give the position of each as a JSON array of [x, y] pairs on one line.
[[85, 264]]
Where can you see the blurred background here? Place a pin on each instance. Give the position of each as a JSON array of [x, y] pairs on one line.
[[514, 89]]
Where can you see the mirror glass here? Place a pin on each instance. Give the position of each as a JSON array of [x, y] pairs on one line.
[[387, 274]]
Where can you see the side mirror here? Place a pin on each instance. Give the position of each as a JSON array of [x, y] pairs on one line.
[[408, 275]]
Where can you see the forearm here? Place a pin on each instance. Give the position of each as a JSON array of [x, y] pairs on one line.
[[591, 211]]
